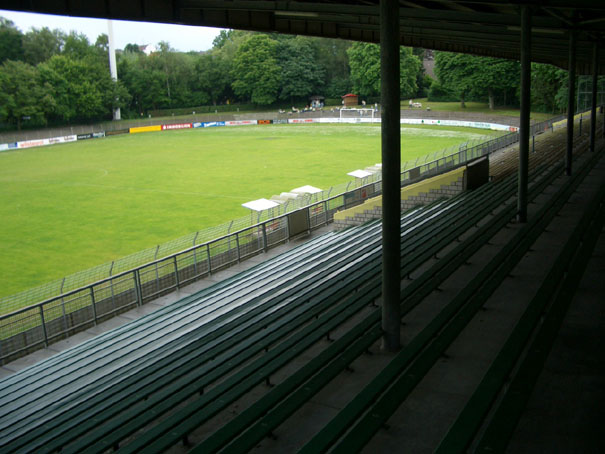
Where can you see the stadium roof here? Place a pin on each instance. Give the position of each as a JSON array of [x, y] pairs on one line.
[[481, 27]]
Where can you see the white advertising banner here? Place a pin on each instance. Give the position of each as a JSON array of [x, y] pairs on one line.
[[240, 122]]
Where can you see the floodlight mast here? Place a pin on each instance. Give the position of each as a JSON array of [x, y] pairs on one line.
[[113, 69]]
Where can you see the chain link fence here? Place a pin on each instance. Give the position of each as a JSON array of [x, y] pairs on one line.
[[86, 298]]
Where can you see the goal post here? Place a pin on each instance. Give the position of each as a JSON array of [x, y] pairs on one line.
[[357, 115]]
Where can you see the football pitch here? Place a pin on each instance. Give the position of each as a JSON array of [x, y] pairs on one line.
[[66, 208]]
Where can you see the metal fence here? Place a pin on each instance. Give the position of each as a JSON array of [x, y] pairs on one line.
[[66, 312]]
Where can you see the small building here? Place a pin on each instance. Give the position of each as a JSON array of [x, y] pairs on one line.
[[350, 100]]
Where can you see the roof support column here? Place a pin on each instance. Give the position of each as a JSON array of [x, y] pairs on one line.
[[593, 109], [524, 131], [391, 168], [571, 97]]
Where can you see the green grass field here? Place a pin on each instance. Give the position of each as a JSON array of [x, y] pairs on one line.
[[65, 208]]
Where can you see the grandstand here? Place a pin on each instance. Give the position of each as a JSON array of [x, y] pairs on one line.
[[286, 356], [501, 326]]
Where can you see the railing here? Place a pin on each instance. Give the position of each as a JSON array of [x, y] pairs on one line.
[[32, 327]]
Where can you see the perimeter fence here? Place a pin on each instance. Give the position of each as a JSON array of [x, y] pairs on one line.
[[84, 299]]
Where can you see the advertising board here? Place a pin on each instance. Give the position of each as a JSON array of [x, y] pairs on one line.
[[145, 129], [240, 122], [177, 126], [302, 120]]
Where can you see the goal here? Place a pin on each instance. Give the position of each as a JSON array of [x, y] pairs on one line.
[[355, 115]]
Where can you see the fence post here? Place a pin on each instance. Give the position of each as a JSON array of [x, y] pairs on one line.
[[176, 273], [237, 247], [209, 261], [265, 246], [63, 306], [94, 307], [137, 287], [43, 326], [195, 254], [157, 272], [326, 211]]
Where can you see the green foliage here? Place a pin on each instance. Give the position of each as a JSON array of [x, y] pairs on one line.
[[76, 46], [300, 75], [338, 87], [23, 98], [256, 72], [364, 59], [222, 38], [455, 73], [133, 48], [470, 76], [41, 44], [82, 89], [438, 92], [214, 78], [548, 88], [10, 41], [331, 56]]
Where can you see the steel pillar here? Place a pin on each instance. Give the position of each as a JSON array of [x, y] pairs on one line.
[[593, 108], [391, 165], [524, 131], [571, 95]]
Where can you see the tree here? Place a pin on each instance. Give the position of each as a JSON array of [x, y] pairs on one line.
[[301, 75], [144, 81], [548, 87], [331, 56], [41, 44], [214, 77], [364, 60], [222, 38], [23, 98], [256, 73], [102, 44], [77, 46], [83, 88], [496, 77], [455, 73], [11, 47], [133, 48], [481, 77]]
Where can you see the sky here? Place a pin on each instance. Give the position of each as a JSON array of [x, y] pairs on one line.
[[181, 37]]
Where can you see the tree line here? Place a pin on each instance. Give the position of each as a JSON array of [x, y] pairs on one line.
[[462, 77], [49, 77]]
